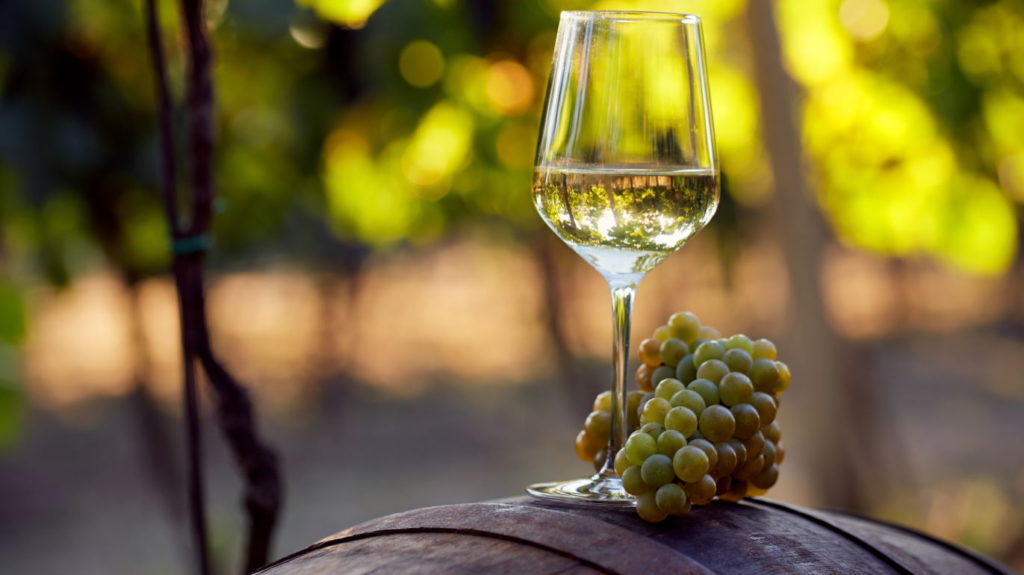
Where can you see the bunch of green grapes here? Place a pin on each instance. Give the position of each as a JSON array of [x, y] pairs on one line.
[[705, 426]]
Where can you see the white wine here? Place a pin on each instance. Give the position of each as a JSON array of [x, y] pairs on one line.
[[625, 221]]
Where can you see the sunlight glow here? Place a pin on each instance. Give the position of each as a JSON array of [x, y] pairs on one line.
[[864, 19]]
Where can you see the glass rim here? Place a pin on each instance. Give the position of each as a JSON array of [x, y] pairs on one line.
[[631, 15]]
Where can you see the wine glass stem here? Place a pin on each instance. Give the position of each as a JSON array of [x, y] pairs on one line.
[[622, 309]]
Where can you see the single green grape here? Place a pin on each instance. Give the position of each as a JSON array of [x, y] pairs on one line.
[[765, 375], [644, 373], [662, 373], [633, 400], [654, 410], [713, 370], [726, 460], [690, 463], [670, 441], [748, 422], [708, 332], [684, 326], [765, 406], [784, 377], [603, 401], [740, 341], [717, 423], [764, 348], [586, 446], [672, 499], [598, 425], [682, 420], [662, 332], [672, 351], [668, 387], [735, 388], [738, 360], [767, 477], [647, 507], [621, 462], [780, 454], [755, 445], [702, 491], [768, 452], [707, 389], [633, 482], [657, 470], [686, 371], [772, 432], [639, 447], [708, 350], [653, 429], [689, 399], [708, 448], [648, 352]]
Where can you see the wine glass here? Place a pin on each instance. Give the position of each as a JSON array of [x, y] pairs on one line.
[[625, 171]]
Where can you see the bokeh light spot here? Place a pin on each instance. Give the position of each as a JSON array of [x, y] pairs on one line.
[[509, 87], [348, 13], [421, 63], [864, 19]]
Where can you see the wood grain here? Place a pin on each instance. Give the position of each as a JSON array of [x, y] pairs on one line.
[[524, 535]]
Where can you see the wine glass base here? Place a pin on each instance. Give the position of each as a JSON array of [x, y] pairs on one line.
[[600, 489]]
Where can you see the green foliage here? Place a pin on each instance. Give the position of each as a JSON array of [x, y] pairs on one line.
[[377, 123]]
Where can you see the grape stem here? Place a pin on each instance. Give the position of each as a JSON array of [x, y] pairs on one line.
[[623, 292]]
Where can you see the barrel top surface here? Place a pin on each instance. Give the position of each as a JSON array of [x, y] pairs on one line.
[[523, 534]]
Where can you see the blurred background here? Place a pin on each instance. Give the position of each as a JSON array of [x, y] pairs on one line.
[[413, 335]]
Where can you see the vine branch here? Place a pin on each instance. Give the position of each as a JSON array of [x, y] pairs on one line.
[[235, 413]]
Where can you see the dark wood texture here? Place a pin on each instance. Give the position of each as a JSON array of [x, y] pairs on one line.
[[523, 535]]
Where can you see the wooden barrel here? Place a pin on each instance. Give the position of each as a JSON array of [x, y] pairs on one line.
[[524, 535]]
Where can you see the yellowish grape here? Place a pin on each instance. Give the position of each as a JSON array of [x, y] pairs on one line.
[[598, 425], [764, 348], [708, 390], [657, 470], [738, 360], [765, 406], [690, 463], [648, 352], [686, 371], [707, 351], [726, 463], [633, 482], [672, 499], [672, 351], [717, 423], [684, 325], [740, 341], [639, 447], [670, 441], [689, 399], [668, 387], [735, 388], [643, 377], [682, 420], [702, 491], [654, 410], [748, 422]]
